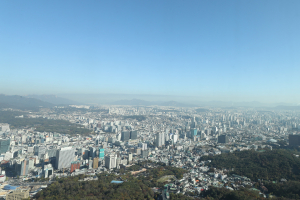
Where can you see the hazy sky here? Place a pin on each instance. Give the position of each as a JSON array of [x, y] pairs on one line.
[[244, 50]]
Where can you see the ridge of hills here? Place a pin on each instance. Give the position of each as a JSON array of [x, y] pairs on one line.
[[139, 102], [53, 99], [21, 102], [32, 102]]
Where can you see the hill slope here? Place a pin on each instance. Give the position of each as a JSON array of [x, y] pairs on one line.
[[268, 165], [20, 102], [53, 99]]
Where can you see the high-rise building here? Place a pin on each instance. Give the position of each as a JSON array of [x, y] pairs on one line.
[[130, 158], [90, 163], [110, 161], [193, 123], [138, 151], [64, 157], [4, 145], [175, 138], [4, 127], [160, 139], [193, 132], [294, 140], [125, 135], [143, 146], [101, 153], [48, 170], [39, 151], [223, 139], [92, 152], [133, 135], [145, 153], [74, 165], [95, 163], [118, 162], [24, 167]]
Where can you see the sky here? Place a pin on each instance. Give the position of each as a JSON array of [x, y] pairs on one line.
[[244, 50]]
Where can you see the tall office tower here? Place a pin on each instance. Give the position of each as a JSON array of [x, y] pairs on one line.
[[118, 162], [24, 167], [208, 131], [202, 135], [175, 138], [167, 131], [138, 151], [133, 135], [74, 165], [215, 129], [4, 127], [193, 123], [130, 158], [110, 161], [193, 132], [223, 139], [118, 137], [48, 170], [145, 153], [64, 157], [4, 145], [95, 163], [101, 153], [90, 164], [143, 146], [125, 135], [294, 140], [31, 164], [92, 152], [160, 139], [40, 151]]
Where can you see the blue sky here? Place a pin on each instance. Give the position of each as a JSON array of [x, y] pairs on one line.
[[233, 50]]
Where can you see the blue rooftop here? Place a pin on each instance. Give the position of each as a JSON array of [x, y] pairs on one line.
[[118, 182], [10, 187]]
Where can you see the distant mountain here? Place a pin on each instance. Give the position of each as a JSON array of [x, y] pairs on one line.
[[138, 102], [133, 102], [176, 104], [287, 107], [53, 99], [20, 102]]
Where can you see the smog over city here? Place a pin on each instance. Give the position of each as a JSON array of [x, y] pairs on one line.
[[149, 99]]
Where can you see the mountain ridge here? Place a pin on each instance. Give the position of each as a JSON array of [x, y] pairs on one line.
[[21, 102], [53, 99]]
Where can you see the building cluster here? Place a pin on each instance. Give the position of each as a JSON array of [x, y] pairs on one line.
[[123, 135]]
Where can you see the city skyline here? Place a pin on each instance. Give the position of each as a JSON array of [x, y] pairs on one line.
[[213, 51]]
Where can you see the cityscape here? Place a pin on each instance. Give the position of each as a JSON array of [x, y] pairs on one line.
[[149, 100], [120, 137]]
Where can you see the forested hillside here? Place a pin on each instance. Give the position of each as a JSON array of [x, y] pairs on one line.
[[71, 188], [268, 165]]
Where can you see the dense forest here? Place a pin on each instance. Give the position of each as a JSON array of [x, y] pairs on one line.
[[139, 187], [71, 188], [289, 189], [268, 165], [132, 188], [41, 124], [152, 175]]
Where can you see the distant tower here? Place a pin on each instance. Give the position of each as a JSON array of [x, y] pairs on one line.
[[125, 135], [133, 135], [223, 139], [110, 161], [64, 157], [160, 139]]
